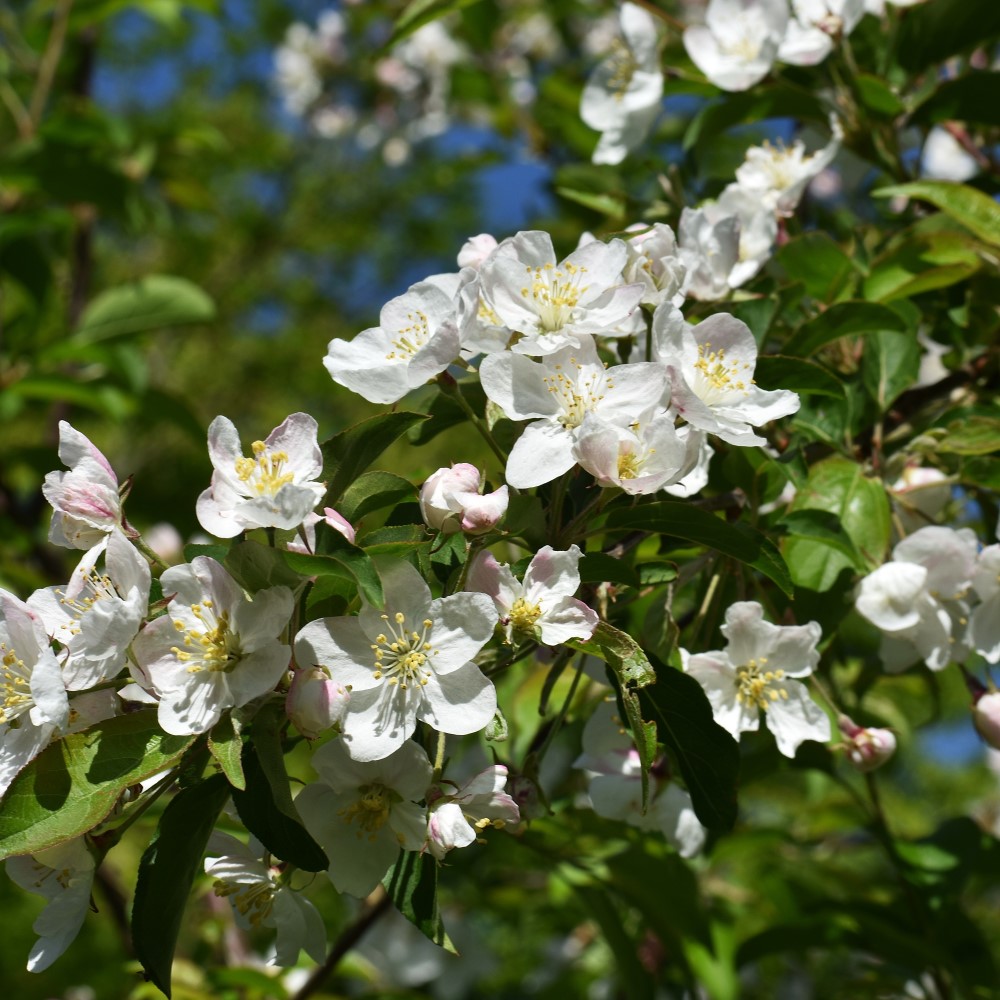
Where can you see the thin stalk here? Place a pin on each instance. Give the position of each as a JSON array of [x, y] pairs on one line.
[[455, 393], [50, 61], [557, 723], [20, 114], [442, 743], [138, 542]]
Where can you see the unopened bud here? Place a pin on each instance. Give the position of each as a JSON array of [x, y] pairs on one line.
[[450, 501], [986, 718], [315, 703], [867, 748]]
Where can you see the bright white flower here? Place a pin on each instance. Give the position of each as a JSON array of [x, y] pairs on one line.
[[64, 875], [456, 819], [362, 813], [739, 41], [814, 27], [417, 337], [711, 369], [779, 174], [755, 672], [412, 661], [97, 615], [557, 304], [944, 158], [33, 701], [623, 95], [615, 788], [542, 604], [557, 394], [260, 898], [698, 456], [85, 500], [709, 249], [639, 459], [476, 249], [331, 518], [214, 648], [984, 624], [450, 501], [316, 703], [758, 230], [274, 489], [867, 749], [654, 262]]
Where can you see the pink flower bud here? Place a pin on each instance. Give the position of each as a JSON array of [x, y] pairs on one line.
[[315, 703], [332, 518], [450, 501], [986, 718], [475, 250], [867, 749]]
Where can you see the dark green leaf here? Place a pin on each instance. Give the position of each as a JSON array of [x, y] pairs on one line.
[[932, 32], [890, 365], [226, 746], [342, 559], [974, 436], [158, 300], [978, 212], [257, 567], [840, 320], [412, 886], [775, 371], [347, 454], [598, 567], [681, 520], [877, 95], [818, 263], [420, 12], [974, 97], [167, 871], [373, 491], [74, 783], [821, 526], [708, 756]]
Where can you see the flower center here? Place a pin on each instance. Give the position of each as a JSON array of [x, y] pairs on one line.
[[524, 615], [576, 397], [555, 293], [401, 656], [263, 473], [410, 339], [215, 647], [15, 690], [254, 901], [755, 685], [717, 376], [94, 588], [371, 809], [622, 65], [629, 465]]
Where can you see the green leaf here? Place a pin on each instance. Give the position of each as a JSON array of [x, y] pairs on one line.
[[818, 263], [265, 813], [373, 491], [681, 520], [420, 12], [923, 258], [978, 212], [444, 411], [890, 365], [74, 783], [839, 486], [877, 95], [841, 320], [709, 758], [347, 454], [257, 567], [805, 377], [226, 746], [342, 559], [825, 527], [969, 98], [167, 871], [599, 567], [152, 303], [975, 435], [932, 32], [412, 886]]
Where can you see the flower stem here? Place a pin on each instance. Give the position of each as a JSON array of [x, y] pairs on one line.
[[148, 552], [451, 388]]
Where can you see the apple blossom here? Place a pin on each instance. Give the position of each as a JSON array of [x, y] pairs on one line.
[[450, 501], [709, 250], [711, 368], [417, 337], [85, 500], [456, 818], [64, 875], [261, 898], [276, 488], [622, 97], [316, 703], [476, 249], [758, 230], [984, 623], [306, 541], [945, 158], [411, 662], [756, 673], [866, 748], [738, 43], [553, 304], [814, 27], [560, 391], [96, 616], [214, 648], [542, 604], [654, 262], [362, 813]]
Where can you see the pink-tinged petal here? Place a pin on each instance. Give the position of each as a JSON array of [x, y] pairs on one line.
[[488, 576], [796, 719], [461, 702], [552, 575], [447, 828], [568, 619], [76, 448], [543, 452]]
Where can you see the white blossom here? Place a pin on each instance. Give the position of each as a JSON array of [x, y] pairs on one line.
[[85, 500], [815, 26], [362, 813], [756, 673], [214, 648], [655, 263], [622, 97], [542, 605], [944, 158], [984, 623], [709, 240], [456, 818], [410, 662]]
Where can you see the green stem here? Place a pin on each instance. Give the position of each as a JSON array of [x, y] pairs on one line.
[[560, 717], [442, 743], [455, 392], [140, 544]]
